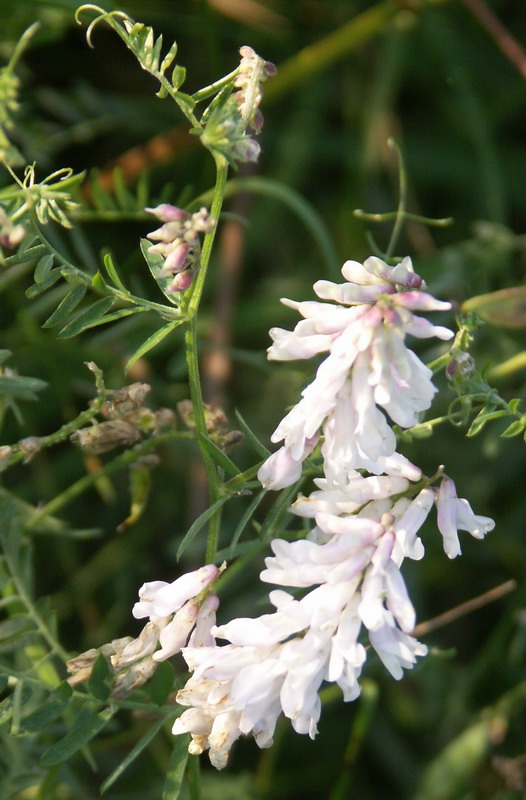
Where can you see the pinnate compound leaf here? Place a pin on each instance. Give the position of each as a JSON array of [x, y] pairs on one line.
[[86, 726]]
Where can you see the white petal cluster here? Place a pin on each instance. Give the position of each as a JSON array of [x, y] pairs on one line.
[[174, 612], [369, 371], [348, 595]]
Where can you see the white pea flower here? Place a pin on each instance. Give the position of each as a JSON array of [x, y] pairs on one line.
[[454, 514]]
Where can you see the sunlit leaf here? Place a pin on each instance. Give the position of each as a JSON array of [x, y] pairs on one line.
[[505, 308]]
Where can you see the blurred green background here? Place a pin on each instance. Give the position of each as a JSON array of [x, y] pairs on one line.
[[431, 75]]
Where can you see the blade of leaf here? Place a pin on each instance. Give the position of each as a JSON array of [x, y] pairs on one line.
[[152, 342], [132, 755], [43, 268], [155, 263], [176, 768], [66, 306], [217, 455], [20, 386], [86, 726], [161, 683], [51, 711], [245, 519], [38, 288], [258, 446], [196, 526], [98, 680], [111, 269], [87, 318]]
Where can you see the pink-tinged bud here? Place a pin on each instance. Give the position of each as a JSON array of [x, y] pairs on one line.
[[182, 281], [246, 150], [175, 260], [168, 213], [167, 233], [12, 236]]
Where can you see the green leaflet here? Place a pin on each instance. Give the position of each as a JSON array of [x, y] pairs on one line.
[[152, 342], [43, 268], [161, 683], [218, 456], [143, 742], [196, 526], [66, 306], [155, 263], [176, 768], [21, 386], [87, 319], [86, 725], [50, 711]]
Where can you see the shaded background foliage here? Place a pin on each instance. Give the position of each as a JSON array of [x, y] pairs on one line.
[[431, 76]]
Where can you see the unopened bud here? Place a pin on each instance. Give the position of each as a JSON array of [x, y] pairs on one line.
[[132, 678], [5, 451], [143, 645], [30, 447], [182, 281], [104, 436], [176, 259], [168, 213]]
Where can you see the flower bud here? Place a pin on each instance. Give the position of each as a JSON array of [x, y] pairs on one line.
[[182, 281], [104, 436]]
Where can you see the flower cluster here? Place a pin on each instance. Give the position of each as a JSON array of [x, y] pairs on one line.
[[368, 368], [253, 70], [176, 618], [227, 123], [178, 242], [368, 508]]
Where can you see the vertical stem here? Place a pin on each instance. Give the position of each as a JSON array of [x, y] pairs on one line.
[[192, 361]]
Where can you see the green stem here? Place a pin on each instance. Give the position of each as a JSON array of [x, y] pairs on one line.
[[54, 644], [124, 460], [192, 361], [215, 211], [214, 482], [66, 430]]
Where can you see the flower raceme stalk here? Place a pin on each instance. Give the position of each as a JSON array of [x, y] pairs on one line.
[[368, 508]]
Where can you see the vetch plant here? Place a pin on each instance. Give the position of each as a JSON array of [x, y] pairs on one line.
[[340, 470]]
